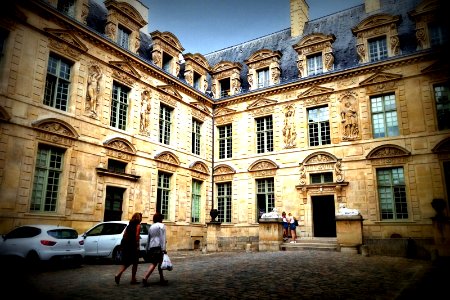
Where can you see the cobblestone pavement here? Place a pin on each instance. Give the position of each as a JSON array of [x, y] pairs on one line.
[[241, 275]]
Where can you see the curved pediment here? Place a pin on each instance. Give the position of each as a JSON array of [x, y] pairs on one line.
[[375, 21], [262, 55], [198, 59], [168, 38], [223, 170], [226, 65], [442, 146], [199, 166], [425, 7], [262, 165], [56, 126], [389, 150], [120, 144], [315, 38], [319, 157], [168, 157]]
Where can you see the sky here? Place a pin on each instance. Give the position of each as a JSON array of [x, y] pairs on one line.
[[204, 26]]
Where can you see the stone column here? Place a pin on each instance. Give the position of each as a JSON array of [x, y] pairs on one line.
[[349, 232], [212, 235], [270, 234]]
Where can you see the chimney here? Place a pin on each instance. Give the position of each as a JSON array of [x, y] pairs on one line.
[[299, 16], [371, 5]]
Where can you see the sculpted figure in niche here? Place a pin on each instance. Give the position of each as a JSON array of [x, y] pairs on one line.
[[250, 80], [361, 52], [289, 133], [349, 119], [145, 111], [205, 85], [110, 30], [156, 57], [235, 84], [177, 69], [188, 77], [93, 88], [300, 67]]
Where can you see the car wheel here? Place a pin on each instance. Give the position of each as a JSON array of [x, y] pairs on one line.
[[117, 256]]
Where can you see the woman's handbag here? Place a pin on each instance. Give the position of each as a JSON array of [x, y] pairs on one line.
[[166, 263]]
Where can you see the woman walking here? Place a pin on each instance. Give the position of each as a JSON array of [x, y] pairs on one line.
[[130, 248], [156, 248]]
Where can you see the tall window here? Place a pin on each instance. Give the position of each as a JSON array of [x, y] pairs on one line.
[[377, 49], [263, 78], [264, 134], [225, 141], [196, 197], [392, 194], [119, 106], [165, 123], [167, 62], [224, 202], [163, 195], [66, 7], [225, 87], [438, 34], [441, 93], [196, 127], [384, 116], [314, 63], [47, 176], [123, 37], [265, 195], [57, 83], [197, 81], [319, 126]]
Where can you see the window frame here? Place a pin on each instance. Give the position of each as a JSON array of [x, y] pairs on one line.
[[163, 194], [265, 194], [263, 76], [314, 64], [119, 106], [165, 123], [196, 136], [196, 200], [123, 36], [57, 87], [387, 115], [264, 134], [395, 208], [442, 114], [225, 141], [319, 131], [224, 201], [376, 51]]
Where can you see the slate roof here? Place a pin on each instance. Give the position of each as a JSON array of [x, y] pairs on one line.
[[339, 24]]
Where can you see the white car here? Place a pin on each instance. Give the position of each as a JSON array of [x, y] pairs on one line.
[[38, 243], [103, 240]]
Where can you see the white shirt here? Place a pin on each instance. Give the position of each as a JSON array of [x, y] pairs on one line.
[[157, 236]]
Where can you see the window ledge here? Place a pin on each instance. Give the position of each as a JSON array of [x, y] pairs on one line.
[[105, 172]]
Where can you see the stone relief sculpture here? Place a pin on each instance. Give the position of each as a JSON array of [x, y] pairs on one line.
[[275, 70], [188, 77], [250, 80], [329, 61], [177, 69], [300, 67], [156, 57], [235, 84], [349, 119], [110, 30], [395, 48], [361, 50], [338, 172], [93, 89], [205, 85], [145, 111], [289, 133]]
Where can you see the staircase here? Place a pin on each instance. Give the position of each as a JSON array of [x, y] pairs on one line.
[[313, 243]]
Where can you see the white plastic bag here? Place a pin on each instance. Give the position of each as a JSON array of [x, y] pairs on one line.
[[166, 263]]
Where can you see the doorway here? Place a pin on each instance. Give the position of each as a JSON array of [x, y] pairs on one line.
[[113, 203], [324, 219]]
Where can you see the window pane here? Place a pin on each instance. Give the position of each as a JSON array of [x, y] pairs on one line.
[[196, 197], [225, 141], [314, 63], [119, 106], [441, 93], [392, 194], [224, 202], [265, 196], [384, 116], [165, 122], [377, 49], [264, 134], [56, 92], [319, 126], [162, 197]]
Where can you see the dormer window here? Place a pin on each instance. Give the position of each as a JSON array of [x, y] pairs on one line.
[[197, 81], [167, 62], [438, 34], [314, 63], [377, 49], [123, 37], [263, 77], [67, 7], [225, 87]]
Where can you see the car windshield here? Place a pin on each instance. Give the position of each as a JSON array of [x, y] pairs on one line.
[[63, 233]]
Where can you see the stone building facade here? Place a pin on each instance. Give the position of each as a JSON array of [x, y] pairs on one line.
[[100, 119]]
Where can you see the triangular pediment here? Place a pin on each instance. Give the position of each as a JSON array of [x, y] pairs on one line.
[[120, 144], [314, 91], [262, 164], [200, 106], [56, 126], [170, 90], [200, 167], [223, 111], [67, 37], [262, 102], [379, 78], [168, 157], [435, 67], [125, 67], [389, 150]]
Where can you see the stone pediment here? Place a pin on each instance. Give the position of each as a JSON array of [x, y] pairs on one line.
[[314, 91], [425, 7], [57, 127], [130, 12], [262, 54], [170, 90], [320, 157], [4, 116], [125, 67], [168, 157], [435, 67], [262, 102], [375, 21], [225, 66], [387, 151], [200, 167], [200, 106], [442, 146], [223, 170], [262, 165], [67, 37], [380, 78], [223, 111], [168, 38], [198, 59], [313, 39], [120, 144]]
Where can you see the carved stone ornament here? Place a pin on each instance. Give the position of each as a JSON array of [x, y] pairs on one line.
[[66, 43], [388, 154], [349, 116], [168, 157], [55, 131], [200, 167]]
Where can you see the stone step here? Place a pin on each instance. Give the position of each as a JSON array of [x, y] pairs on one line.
[[322, 244]]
